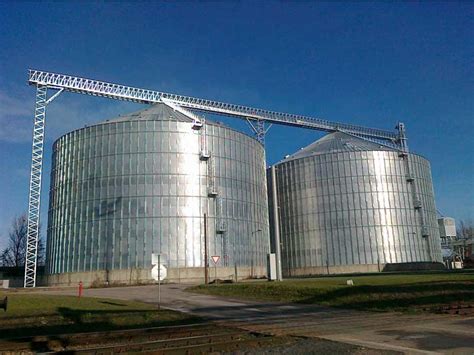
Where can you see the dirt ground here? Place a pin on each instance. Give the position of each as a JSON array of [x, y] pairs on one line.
[[406, 333]]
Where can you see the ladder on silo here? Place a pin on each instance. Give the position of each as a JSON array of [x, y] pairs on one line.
[[416, 199], [221, 223], [204, 154], [221, 227], [211, 178]]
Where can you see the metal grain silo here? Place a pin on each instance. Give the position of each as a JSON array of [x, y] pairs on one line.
[[349, 205], [141, 184]]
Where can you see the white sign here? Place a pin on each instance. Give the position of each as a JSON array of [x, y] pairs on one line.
[[215, 259], [163, 272]]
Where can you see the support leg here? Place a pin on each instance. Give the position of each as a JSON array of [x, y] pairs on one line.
[[35, 188], [259, 129]]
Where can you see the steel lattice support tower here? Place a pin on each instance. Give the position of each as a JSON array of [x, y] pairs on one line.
[[35, 187]]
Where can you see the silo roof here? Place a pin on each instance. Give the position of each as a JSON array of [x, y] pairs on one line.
[[162, 112], [157, 112], [336, 142]]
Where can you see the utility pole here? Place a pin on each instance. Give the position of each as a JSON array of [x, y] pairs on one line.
[[206, 257], [159, 279]]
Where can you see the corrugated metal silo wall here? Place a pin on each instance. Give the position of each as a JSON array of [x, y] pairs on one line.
[[121, 191], [340, 210]]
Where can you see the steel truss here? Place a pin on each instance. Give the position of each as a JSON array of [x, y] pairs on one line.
[[34, 197], [35, 187], [259, 129], [127, 93], [257, 118]]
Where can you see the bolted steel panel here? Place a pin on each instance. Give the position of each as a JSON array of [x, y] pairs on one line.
[[130, 187], [345, 205]]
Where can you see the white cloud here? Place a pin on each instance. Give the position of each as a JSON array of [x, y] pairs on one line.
[[15, 106], [66, 113], [14, 125], [70, 111]]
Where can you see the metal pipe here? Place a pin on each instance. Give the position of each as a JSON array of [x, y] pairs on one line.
[[276, 224]]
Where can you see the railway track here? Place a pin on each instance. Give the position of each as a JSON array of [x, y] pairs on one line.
[[305, 324], [187, 339], [459, 309], [220, 336]]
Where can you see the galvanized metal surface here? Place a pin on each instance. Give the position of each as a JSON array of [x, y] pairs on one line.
[[343, 205], [134, 186], [127, 93], [44, 80]]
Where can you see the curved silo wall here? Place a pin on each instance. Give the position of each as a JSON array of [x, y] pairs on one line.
[[125, 189], [356, 212]]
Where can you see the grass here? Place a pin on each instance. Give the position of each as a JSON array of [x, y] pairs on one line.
[[378, 292], [33, 314]]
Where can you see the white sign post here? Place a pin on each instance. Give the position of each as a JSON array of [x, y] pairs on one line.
[[215, 260], [158, 272]]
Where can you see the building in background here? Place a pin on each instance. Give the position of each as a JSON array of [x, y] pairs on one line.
[[457, 249], [141, 184], [349, 205], [447, 230]]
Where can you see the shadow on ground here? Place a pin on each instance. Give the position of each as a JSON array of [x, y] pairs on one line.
[[429, 340], [386, 297], [71, 320]]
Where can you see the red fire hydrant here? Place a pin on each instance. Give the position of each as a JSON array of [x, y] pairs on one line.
[[80, 288]]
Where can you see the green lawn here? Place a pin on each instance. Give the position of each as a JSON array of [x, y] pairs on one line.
[[378, 292], [32, 314]]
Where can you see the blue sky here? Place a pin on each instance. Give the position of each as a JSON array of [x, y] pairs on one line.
[[371, 64]]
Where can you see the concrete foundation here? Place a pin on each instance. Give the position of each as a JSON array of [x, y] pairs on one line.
[[328, 270], [143, 276], [362, 268]]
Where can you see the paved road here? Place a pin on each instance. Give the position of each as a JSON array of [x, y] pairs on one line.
[[426, 333]]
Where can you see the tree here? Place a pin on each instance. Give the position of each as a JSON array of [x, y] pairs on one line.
[[465, 230], [14, 254]]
